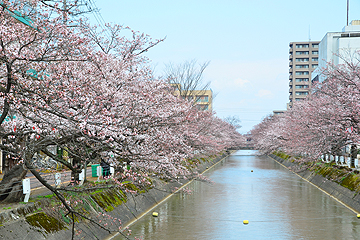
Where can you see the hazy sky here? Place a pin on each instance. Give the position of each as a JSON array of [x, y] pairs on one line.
[[246, 42]]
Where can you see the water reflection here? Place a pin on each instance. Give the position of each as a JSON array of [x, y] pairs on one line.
[[277, 203]]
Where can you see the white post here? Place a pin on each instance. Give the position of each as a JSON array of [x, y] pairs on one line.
[[342, 160], [26, 189], [81, 175], [348, 161], [99, 171], [57, 179], [112, 170]]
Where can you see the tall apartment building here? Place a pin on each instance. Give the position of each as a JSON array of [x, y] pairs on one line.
[[303, 60]]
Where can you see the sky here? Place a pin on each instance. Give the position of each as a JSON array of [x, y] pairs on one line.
[[246, 42]]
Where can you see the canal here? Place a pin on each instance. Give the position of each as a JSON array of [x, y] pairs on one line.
[[277, 203]]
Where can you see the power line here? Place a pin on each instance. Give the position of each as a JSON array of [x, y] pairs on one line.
[[90, 4]]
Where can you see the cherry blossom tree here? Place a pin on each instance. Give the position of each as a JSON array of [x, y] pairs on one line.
[[74, 88], [326, 122]]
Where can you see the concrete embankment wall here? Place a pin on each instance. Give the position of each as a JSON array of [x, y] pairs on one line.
[[14, 222], [348, 198]]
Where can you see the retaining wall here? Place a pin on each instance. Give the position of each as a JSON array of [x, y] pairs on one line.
[[13, 223], [350, 199]]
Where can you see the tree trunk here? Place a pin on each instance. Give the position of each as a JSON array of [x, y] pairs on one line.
[[9, 162], [74, 174], [11, 185]]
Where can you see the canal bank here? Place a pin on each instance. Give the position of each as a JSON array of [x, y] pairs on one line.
[[18, 222], [202, 169], [345, 196], [247, 186]]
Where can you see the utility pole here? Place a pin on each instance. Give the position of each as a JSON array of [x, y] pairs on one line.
[[347, 13]]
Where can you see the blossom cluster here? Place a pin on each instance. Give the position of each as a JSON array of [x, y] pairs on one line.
[[325, 123]]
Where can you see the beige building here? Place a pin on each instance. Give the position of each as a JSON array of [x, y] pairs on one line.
[[202, 99], [303, 60]]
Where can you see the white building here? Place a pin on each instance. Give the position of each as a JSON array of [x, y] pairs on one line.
[[335, 44]]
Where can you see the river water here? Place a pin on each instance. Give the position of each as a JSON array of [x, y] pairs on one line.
[[277, 203]]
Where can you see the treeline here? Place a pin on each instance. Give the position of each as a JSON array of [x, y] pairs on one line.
[[325, 124]]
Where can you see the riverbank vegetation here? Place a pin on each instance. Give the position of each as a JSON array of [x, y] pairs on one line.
[[91, 95], [341, 174]]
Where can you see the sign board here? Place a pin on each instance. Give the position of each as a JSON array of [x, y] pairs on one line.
[[26, 186], [81, 175], [26, 189], [99, 171], [112, 170], [57, 179]]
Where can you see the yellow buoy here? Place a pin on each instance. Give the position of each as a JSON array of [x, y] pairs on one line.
[[246, 222], [155, 214], [251, 170], [358, 216]]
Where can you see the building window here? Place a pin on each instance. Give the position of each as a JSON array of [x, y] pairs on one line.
[[315, 52], [302, 66], [302, 73], [189, 98], [315, 45], [202, 98], [299, 99], [302, 53], [301, 93], [314, 65], [301, 86], [302, 45], [315, 59], [301, 80], [301, 59]]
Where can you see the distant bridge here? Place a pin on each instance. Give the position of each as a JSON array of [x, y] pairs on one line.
[[244, 147]]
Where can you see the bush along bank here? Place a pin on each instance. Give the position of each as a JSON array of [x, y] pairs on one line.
[[340, 182], [44, 217]]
